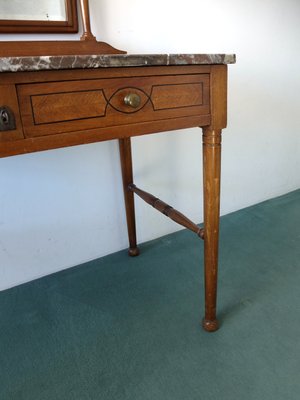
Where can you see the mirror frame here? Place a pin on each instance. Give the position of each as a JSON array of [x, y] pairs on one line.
[[23, 26]]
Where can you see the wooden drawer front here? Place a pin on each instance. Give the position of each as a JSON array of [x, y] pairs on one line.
[[59, 107], [69, 106], [176, 96]]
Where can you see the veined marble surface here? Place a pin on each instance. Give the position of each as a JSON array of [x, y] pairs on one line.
[[39, 63]]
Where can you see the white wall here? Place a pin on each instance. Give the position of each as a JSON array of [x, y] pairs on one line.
[[63, 207]]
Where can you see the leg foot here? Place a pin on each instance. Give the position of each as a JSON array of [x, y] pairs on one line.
[[210, 326], [133, 251]]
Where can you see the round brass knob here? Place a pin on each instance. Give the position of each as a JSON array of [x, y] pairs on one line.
[[132, 100]]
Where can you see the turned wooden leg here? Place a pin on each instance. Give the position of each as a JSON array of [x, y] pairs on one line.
[[127, 175], [211, 184]]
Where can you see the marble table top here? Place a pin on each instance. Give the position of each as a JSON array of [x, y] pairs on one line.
[[38, 63]]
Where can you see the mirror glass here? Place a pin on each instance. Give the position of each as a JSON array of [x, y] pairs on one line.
[[33, 10]]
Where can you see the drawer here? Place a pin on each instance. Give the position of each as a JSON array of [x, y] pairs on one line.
[[78, 105]]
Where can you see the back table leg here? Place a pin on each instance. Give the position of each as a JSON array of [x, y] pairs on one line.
[[127, 175]]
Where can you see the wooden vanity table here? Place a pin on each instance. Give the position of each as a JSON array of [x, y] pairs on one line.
[[58, 100]]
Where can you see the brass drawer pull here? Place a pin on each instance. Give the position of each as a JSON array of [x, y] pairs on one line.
[[132, 100]]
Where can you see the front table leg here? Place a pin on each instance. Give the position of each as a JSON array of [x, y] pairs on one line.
[[211, 187]]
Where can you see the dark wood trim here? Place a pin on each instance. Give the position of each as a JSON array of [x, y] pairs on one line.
[[68, 26]]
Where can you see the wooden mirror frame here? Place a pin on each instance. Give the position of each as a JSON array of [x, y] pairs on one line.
[[87, 44], [24, 26]]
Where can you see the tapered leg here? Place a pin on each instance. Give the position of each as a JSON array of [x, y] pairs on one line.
[[211, 183], [127, 175]]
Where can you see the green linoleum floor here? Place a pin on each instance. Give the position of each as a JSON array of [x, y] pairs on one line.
[[122, 328]]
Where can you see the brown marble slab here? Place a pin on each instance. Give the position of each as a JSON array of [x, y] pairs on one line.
[[16, 64]]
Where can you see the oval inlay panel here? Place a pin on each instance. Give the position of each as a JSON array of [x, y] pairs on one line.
[[117, 100]]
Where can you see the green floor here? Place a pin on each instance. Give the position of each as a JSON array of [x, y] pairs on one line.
[[124, 328]]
